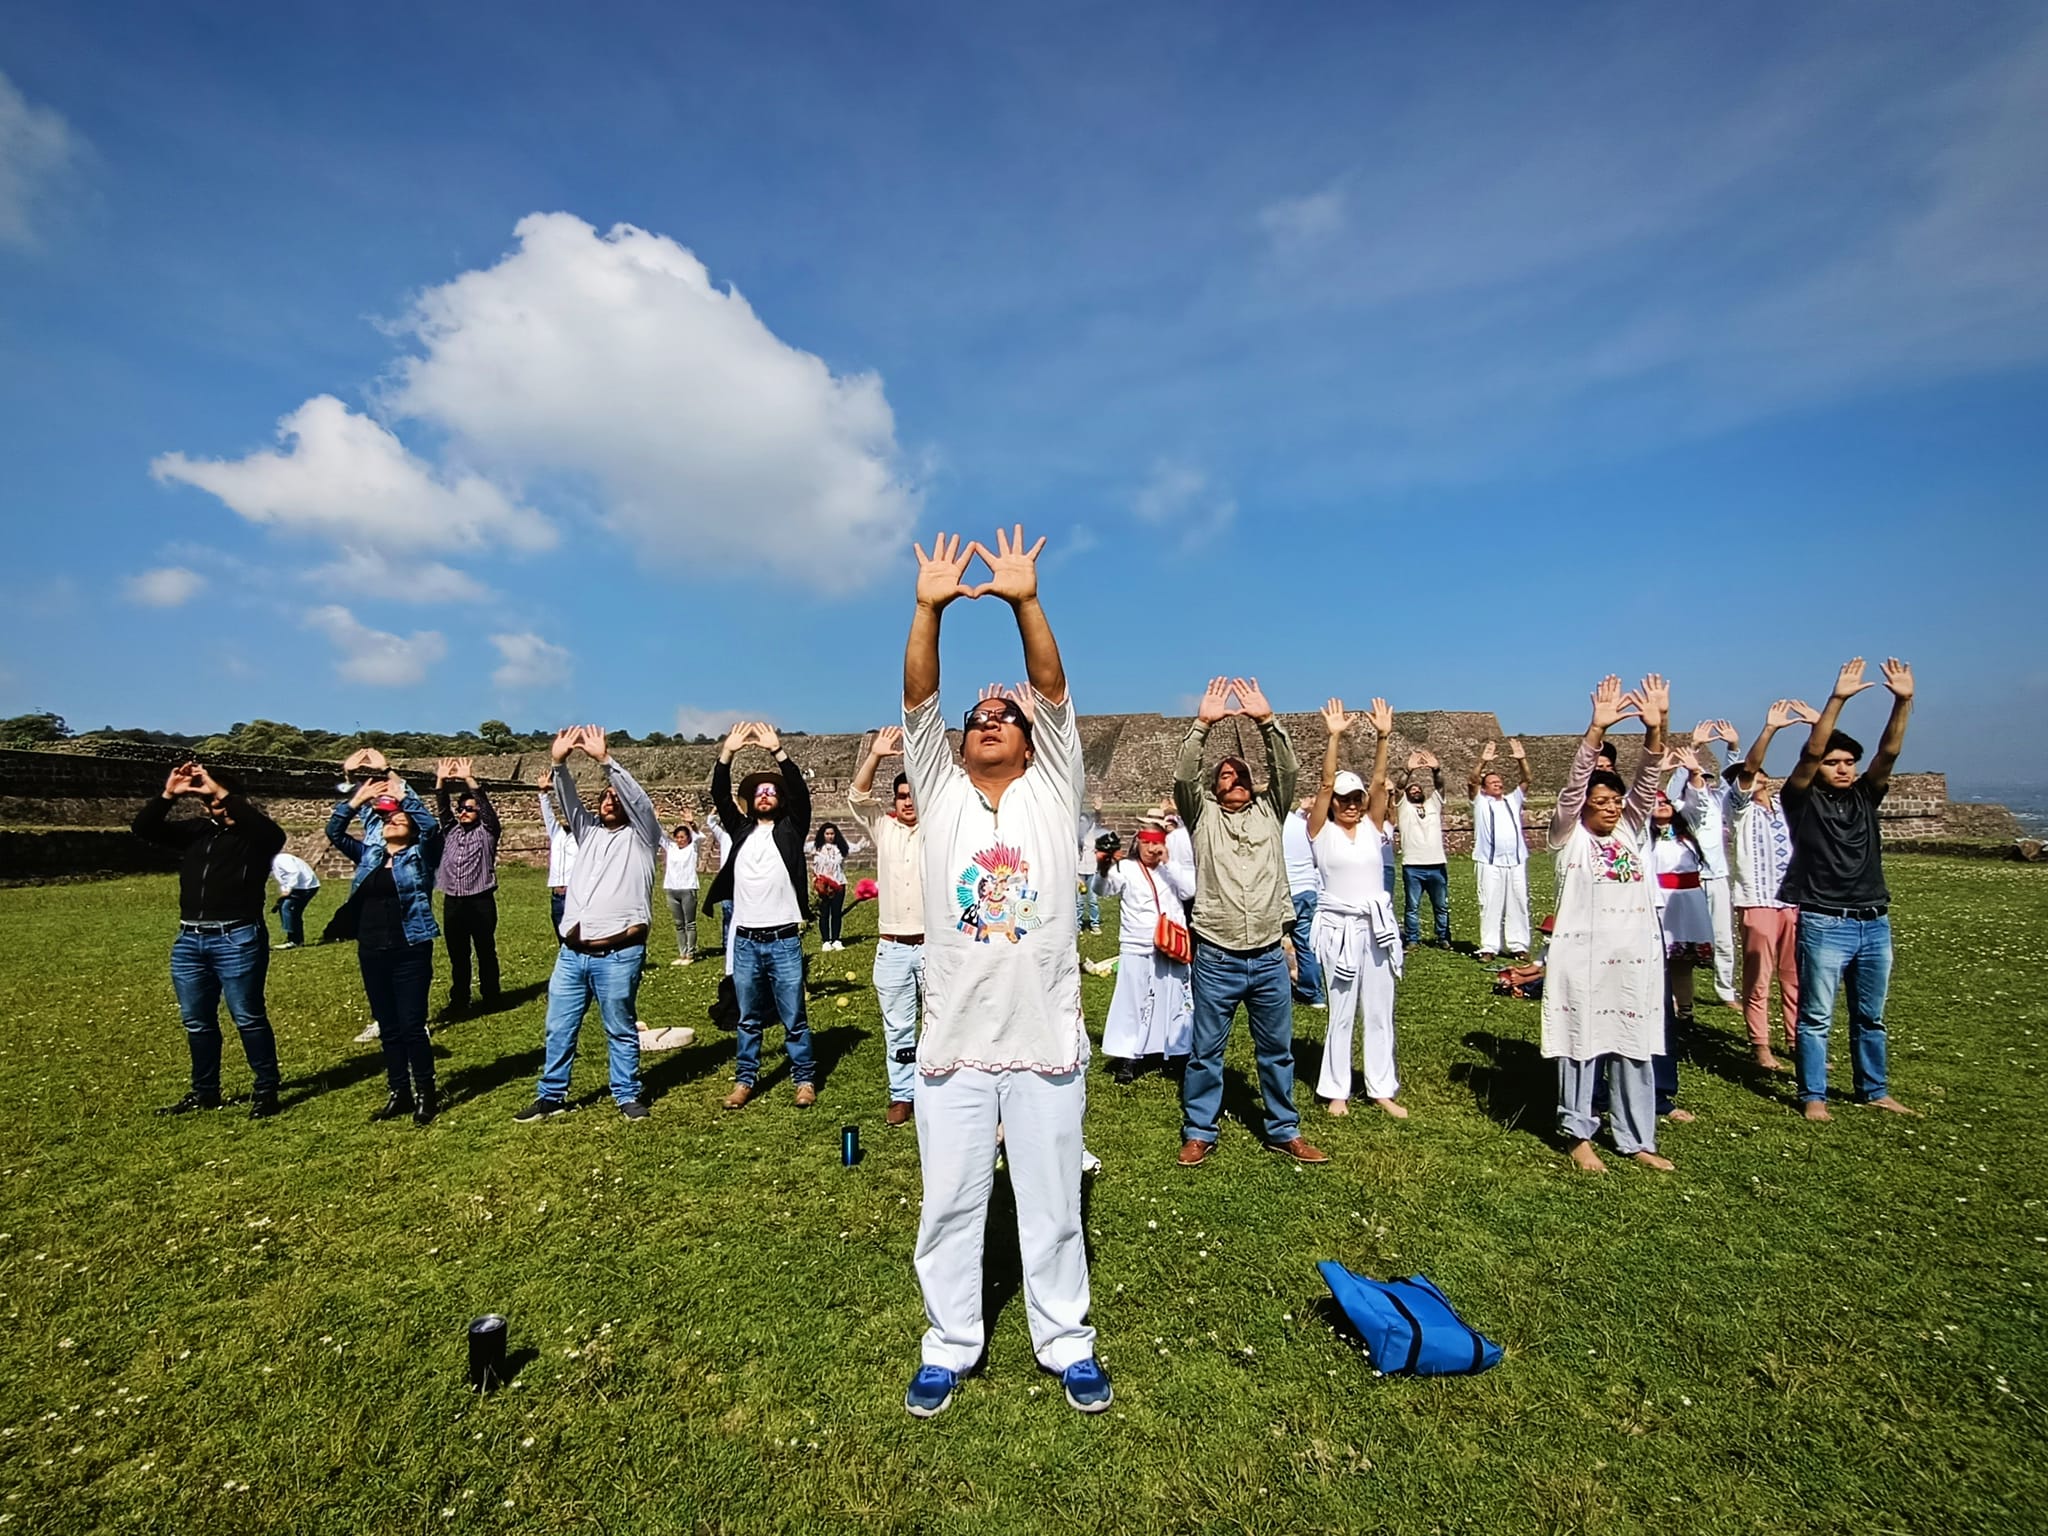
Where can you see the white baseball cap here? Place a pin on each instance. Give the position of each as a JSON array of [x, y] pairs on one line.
[[1347, 783]]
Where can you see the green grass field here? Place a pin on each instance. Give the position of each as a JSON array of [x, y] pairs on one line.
[[218, 1325]]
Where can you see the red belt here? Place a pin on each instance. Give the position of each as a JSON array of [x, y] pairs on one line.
[[1688, 881]]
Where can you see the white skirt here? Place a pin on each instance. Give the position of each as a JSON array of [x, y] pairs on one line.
[[1153, 1011]]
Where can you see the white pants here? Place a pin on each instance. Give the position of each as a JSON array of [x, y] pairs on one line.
[[1503, 894], [957, 1116], [1369, 996], [1721, 908]]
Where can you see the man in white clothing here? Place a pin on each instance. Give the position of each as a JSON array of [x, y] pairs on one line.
[[899, 915], [1153, 1011], [1303, 883], [1500, 852], [561, 852], [1093, 868], [1419, 821], [297, 885], [1003, 1043], [1706, 807]]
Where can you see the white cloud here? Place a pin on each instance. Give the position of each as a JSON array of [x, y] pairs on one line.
[[36, 147], [1181, 500], [343, 476], [1295, 222], [704, 722], [169, 586], [614, 361], [372, 573], [373, 656], [529, 663]]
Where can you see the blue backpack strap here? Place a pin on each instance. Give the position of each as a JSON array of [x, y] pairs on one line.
[[1407, 1367]]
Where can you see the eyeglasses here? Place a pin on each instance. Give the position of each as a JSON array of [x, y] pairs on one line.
[[981, 719]]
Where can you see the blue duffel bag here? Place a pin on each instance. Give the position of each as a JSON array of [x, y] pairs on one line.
[[1409, 1326]]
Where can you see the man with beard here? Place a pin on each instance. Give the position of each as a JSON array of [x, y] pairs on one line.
[[1241, 916], [899, 914], [222, 946], [765, 880], [468, 882], [605, 919], [1419, 822]]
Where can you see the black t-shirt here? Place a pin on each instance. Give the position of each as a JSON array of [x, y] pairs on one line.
[[381, 916], [1837, 851]]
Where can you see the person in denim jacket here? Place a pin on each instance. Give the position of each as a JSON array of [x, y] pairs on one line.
[[391, 901]]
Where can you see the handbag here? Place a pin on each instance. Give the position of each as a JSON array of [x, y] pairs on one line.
[[1409, 1326], [1169, 937], [825, 885]]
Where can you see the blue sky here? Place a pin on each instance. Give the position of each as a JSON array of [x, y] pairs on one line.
[[412, 365]]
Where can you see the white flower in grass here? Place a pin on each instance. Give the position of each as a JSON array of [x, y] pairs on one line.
[[526, 1444], [64, 1343]]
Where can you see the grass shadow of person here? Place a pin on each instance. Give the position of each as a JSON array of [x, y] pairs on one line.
[[1729, 1058], [828, 1048], [482, 1078], [700, 1058], [1514, 1087], [345, 1074], [508, 998]]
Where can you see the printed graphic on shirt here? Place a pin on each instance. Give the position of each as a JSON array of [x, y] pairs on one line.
[[1615, 860], [996, 896]]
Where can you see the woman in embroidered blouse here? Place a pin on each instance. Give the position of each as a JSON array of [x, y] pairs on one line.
[[829, 853], [1688, 922], [1604, 990]]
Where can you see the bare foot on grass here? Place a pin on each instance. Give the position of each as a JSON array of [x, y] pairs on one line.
[[1652, 1160], [1585, 1159], [1340, 1107], [1814, 1109], [1398, 1111], [1681, 1116], [1893, 1105], [1768, 1061]]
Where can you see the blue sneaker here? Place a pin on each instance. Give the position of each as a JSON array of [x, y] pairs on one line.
[[1087, 1386], [931, 1391]]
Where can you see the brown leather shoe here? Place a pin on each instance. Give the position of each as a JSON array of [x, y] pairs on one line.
[[1192, 1152], [741, 1092], [1300, 1151], [806, 1095], [901, 1112]]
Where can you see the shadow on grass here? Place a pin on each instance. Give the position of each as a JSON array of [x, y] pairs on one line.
[[1514, 1087], [506, 1000], [700, 1058], [1728, 1058], [828, 1048], [486, 1077], [357, 1069]]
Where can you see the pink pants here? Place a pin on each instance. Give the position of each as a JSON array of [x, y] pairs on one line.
[[1770, 942]]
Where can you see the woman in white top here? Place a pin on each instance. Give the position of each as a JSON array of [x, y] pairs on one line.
[[1357, 941], [1681, 898], [829, 852], [679, 885], [1153, 1011]]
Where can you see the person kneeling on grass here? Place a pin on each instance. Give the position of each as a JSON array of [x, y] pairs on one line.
[[605, 919], [1603, 988], [390, 914]]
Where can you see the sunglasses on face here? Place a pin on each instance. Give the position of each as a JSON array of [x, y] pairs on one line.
[[986, 717]]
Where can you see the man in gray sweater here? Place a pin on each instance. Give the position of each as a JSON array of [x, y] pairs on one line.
[[1241, 914]]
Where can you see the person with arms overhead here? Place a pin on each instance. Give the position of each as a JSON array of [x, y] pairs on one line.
[[898, 837], [468, 882], [1419, 822], [1003, 1044], [1763, 854], [1500, 853], [1836, 879], [223, 944]]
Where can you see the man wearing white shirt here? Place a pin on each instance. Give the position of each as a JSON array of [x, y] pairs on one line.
[[899, 915], [561, 852], [1303, 882], [297, 885], [1706, 807], [1092, 869], [1003, 1042], [1500, 853], [1419, 823]]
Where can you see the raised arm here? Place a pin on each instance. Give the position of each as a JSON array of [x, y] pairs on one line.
[[1848, 683], [1652, 698], [338, 834], [1014, 578], [153, 824], [1480, 769], [1189, 795], [1376, 799], [574, 811], [1898, 676], [633, 800], [1335, 724], [1521, 761], [796, 789], [938, 584], [860, 794], [1610, 707], [1283, 768], [1776, 718]]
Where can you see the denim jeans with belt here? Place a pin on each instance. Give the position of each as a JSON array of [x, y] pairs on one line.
[[1223, 978], [1310, 988], [206, 966], [766, 971], [613, 980], [1436, 881], [1834, 950]]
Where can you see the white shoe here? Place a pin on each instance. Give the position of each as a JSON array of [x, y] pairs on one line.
[[369, 1035], [1090, 1163], [679, 961], [666, 1039], [287, 944]]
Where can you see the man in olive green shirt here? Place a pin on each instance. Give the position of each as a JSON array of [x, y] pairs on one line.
[[1241, 912]]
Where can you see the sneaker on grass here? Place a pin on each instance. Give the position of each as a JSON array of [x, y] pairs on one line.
[[931, 1391], [1087, 1386], [541, 1109], [369, 1035], [633, 1109]]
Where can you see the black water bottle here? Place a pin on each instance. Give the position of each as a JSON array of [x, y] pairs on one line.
[[487, 1353], [849, 1145]]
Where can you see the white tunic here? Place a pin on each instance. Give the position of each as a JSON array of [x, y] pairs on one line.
[[1687, 918], [1153, 1011]]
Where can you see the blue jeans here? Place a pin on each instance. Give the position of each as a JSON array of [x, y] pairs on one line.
[[1310, 988], [1833, 950], [291, 914], [1223, 978], [1091, 900], [762, 972], [206, 966], [1415, 880], [614, 981], [899, 987], [557, 901], [396, 981]]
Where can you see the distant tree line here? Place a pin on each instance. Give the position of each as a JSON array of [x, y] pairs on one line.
[[276, 738]]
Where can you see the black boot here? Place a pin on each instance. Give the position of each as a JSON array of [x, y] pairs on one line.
[[425, 1104], [1124, 1072], [396, 1105], [193, 1100], [263, 1106]]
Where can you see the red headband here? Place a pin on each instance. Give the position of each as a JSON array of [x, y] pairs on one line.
[[1149, 835]]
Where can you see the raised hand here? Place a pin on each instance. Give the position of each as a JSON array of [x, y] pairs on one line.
[[367, 791], [1383, 718], [888, 742], [1025, 697], [1898, 676], [1804, 712], [1489, 752], [593, 743], [444, 770], [566, 741], [1514, 748], [1687, 758], [465, 770], [1251, 699], [1849, 681], [1610, 705], [183, 780], [1013, 570], [544, 783], [1704, 732], [1335, 721], [1215, 701], [939, 573], [765, 737], [1417, 760], [1430, 760], [1725, 729], [1653, 698]]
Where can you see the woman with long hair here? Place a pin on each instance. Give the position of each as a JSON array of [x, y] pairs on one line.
[[391, 909], [679, 885], [1357, 940], [829, 850]]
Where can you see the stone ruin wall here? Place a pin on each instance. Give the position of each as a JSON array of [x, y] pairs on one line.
[[59, 807]]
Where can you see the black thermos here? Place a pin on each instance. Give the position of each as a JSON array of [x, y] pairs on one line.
[[849, 1145], [487, 1353]]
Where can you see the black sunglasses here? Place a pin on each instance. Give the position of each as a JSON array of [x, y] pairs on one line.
[[983, 715]]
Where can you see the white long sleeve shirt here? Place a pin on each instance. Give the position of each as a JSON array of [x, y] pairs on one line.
[[1497, 836], [614, 871], [561, 846]]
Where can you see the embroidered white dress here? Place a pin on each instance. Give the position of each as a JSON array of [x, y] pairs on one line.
[[1153, 1011]]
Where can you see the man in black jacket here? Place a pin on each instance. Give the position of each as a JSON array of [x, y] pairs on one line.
[[770, 895], [222, 944]]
